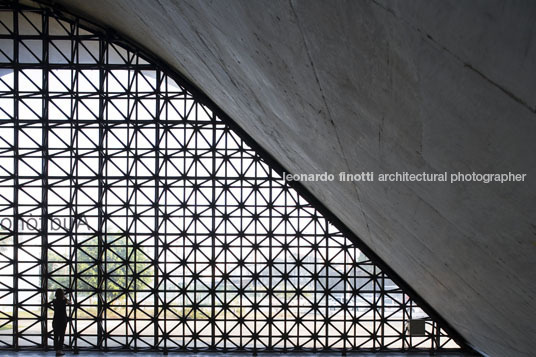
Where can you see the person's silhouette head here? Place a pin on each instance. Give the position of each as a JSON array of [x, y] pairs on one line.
[[59, 294]]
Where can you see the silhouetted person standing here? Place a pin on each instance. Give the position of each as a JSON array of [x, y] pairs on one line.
[[59, 321]]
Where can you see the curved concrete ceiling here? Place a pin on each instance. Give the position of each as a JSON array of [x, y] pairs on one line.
[[385, 86]]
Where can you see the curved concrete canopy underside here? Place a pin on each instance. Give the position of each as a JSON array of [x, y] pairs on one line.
[[385, 86]]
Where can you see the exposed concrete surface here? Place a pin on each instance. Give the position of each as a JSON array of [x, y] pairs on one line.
[[385, 86]]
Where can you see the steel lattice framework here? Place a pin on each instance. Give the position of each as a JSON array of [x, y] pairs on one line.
[[170, 232]]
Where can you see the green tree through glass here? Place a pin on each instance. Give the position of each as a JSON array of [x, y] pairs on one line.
[[127, 268]]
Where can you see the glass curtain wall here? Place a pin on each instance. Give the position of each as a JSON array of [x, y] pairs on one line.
[[165, 228]]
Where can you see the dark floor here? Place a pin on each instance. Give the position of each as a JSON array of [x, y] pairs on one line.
[[206, 354]]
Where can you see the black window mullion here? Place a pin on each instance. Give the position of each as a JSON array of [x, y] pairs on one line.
[[16, 159], [44, 183], [102, 280]]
